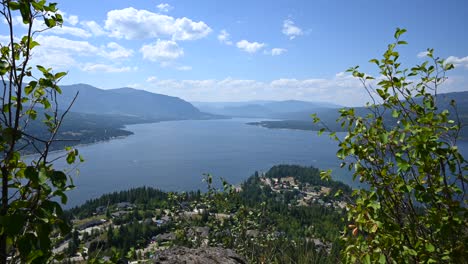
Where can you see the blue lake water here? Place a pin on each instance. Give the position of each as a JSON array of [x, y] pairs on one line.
[[174, 156]]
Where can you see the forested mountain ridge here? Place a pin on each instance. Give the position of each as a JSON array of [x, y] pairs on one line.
[[83, 128], [286, 215], [303, 121], [128, 102], [98, 114]]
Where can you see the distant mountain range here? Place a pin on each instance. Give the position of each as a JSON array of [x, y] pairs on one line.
[[99, 114], [264, 109], [128, 102], [302, 120]]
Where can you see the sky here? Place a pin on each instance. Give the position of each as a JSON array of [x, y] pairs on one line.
[[212, 50]]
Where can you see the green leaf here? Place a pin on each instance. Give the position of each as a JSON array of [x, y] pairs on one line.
[[33, 44], [42, 69], [320, 132], [13, 5], [338, 193], [382, 259], [59, 75], [25, 11], [32, 113], [71, 157], [367, 259], [429, 247]]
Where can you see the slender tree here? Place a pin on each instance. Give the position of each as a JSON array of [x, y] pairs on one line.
[[30, 215], [414, 209]]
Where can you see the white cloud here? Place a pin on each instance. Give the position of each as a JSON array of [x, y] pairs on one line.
[[4, 39], [16, 20], [422, 54], [291, 30], [151, 79], [458, 62], [72, 30], [66, 30], [250, 47], [277, 51], [73, 20], [59, 43], [131, 23], [162, 50], [184, 68], [89, 67], [94, 27], [164, 7], [224, 37], [186, 29], [117, 51], [62, 53], [341, 88]]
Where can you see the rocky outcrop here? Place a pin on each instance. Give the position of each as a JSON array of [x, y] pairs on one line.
[[209, 255]]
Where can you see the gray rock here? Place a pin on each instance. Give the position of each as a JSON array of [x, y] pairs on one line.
[[209, 255]]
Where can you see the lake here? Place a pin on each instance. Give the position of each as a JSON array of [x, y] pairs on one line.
[[174, 155]]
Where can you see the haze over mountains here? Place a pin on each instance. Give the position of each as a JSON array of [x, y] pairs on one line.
[[99, 114], [264, 109], [145, 106], [129, 102]]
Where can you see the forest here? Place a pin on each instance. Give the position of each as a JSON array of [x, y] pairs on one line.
[[252, 218]]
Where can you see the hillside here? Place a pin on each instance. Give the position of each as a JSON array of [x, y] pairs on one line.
[[99, 114], [302, 120], [286, 215], [128, 102], [265, 109]]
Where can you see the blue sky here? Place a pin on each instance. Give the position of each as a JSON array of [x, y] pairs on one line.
[[247, 50]]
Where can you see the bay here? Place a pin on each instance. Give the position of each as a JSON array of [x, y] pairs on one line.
[[174, 155]]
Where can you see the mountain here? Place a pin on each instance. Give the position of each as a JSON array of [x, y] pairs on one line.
[[265, 109], [128, 102], [302, 120]]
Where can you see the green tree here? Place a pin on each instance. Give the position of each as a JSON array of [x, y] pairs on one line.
[[414, 209], [30, 215]]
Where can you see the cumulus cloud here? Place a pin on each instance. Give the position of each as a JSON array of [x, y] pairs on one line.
[[291, 30], [89, 67], [277, 51], [162, 50], [66, 30], [58, 52], [250, 47], [94, 28], [224, 37], [164, 7], [458, 62], [117, 51], [78, 47], [131, 23], [341, 88], [61, 53], [73, 20]]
